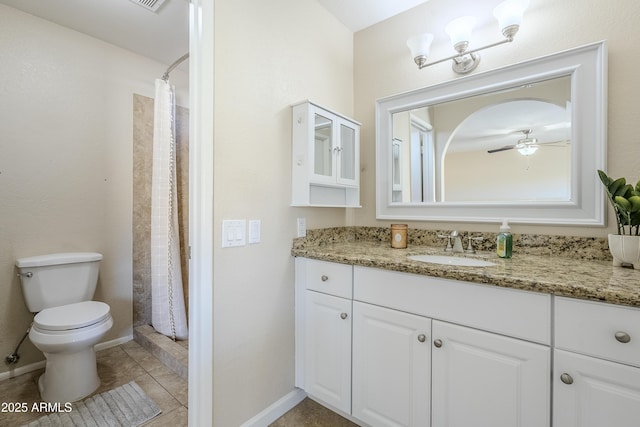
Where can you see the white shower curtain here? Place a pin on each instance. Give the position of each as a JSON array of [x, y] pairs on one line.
[[168, 313]]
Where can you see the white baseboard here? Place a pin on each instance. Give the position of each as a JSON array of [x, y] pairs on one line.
[[113, 343], [39, 365], [22, 370], [277, 409]]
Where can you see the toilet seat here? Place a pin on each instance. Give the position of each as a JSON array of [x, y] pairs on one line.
[[72, 316]]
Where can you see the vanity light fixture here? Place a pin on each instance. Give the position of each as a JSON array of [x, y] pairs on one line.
[[509, 16]]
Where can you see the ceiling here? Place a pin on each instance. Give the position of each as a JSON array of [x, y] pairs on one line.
[[359, 14], [164, 35]]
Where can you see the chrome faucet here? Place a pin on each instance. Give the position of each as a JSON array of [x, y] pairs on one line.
[[457, 242], [454, 242]]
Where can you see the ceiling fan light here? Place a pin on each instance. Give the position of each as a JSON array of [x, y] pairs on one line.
[[527, 150]]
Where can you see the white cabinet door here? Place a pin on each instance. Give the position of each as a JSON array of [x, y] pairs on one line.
[[348, 153], [324, 147], [328, 349], [391, 367], [595, 392], [482, 379]]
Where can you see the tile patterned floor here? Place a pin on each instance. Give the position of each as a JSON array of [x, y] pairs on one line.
[[116, 366], [130, 361], [311, 414]]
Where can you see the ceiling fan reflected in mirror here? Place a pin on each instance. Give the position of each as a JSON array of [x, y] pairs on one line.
[[526, 145]]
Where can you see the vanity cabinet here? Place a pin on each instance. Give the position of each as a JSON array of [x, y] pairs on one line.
[[596, 378], [484, 371], [328, 349], [454, 376], [323, 331], [325, 157], [424, 351], [391, 366], [485, 379]]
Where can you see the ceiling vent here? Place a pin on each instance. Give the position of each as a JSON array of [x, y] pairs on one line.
[[152, 5]]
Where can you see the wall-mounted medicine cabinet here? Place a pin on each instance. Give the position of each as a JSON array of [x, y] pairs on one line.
[[325, 157]]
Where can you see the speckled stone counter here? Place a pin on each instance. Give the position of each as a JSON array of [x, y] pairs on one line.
[[572, 267]]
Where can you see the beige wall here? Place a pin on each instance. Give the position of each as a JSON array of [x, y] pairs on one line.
[[66, 160], [383, 66], [268, 56]]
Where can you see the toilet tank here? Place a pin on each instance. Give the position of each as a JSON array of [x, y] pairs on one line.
[[57, 279]]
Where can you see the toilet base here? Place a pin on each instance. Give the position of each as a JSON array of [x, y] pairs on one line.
[[69, 377]]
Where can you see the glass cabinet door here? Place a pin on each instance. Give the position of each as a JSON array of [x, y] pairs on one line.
[[348, 152], [323, 146]]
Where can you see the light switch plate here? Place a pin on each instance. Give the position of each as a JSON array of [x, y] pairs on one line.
[[254, 231], [234, 233], [301, 224]]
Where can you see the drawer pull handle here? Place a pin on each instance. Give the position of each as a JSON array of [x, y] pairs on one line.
[[422, 337], [566, 378], [343, 316], [324, 278], [623, 337], [437, 343]]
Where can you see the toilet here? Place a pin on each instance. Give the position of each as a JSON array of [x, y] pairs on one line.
[[59, 288]]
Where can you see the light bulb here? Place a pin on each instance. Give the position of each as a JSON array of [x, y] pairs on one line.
[[420, 46], [509, 15], [459, 31]]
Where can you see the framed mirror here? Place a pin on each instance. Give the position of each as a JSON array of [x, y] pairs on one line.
[[521, 143]]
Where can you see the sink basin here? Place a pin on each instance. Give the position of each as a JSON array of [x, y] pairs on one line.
[[451, 260]]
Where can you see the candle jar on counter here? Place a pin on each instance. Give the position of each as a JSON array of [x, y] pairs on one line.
[[399, 236]]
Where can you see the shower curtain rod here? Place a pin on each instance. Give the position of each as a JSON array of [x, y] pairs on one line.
[[165, 76]]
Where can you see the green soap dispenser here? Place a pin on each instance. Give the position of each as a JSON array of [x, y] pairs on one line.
[[504, 242]]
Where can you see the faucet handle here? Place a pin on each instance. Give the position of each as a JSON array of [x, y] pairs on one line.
[[470, 249], [449, 248]]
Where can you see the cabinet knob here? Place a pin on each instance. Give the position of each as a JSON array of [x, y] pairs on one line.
[[422, 337], [324, 278], [566, 378], [343, 316], [437, 343], [622, 337]]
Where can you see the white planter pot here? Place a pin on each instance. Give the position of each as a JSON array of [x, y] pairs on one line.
[[625, 250]]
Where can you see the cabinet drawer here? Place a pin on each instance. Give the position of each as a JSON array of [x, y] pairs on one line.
[[598, 329], [519, 314], [327, 277]]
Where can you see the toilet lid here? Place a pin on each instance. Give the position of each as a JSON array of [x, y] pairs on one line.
[[71, 316]]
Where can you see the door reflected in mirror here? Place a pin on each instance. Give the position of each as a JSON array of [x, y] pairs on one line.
[[513, 145]]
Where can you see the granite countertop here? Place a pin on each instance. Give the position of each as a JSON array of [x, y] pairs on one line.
[[590, 279]]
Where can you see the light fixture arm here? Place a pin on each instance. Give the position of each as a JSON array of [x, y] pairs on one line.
[[468, 57]]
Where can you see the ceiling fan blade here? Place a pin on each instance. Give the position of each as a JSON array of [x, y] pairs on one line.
[[505, 148], [564, 142]]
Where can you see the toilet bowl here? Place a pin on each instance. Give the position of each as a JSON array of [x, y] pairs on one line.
[[66, 335], [58, 288]]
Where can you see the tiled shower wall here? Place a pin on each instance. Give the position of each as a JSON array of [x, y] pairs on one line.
[[142, 172]]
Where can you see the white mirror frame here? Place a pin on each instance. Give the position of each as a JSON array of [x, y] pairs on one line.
[[587, 66]]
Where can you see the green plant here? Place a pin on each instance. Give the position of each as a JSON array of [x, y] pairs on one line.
[[625, 199]]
